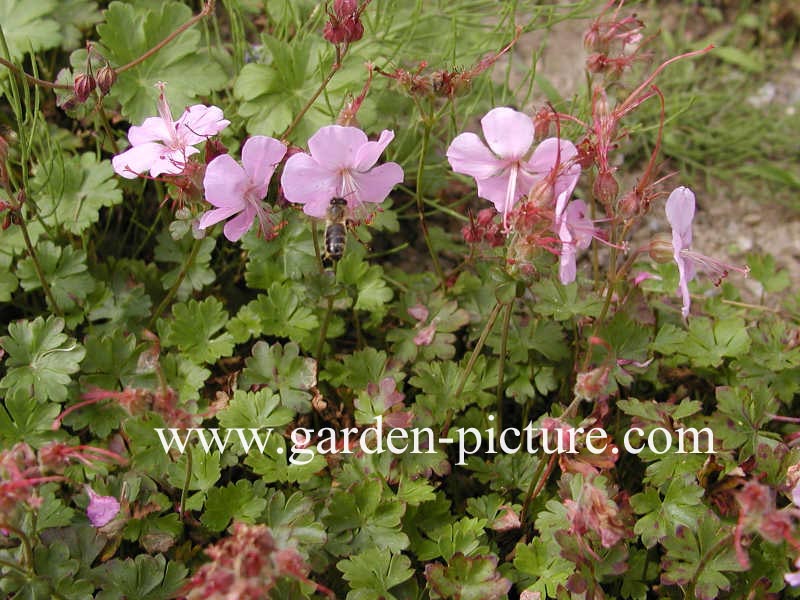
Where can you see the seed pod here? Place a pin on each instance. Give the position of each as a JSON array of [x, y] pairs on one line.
[[605, 188], [83, 86], [106, 77], [661, 249]]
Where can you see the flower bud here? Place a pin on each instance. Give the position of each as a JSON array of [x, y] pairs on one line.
[[660, 249], [106, 77], [605, 188], [629, 205], [541, 124], [83, 86], [344, 26]]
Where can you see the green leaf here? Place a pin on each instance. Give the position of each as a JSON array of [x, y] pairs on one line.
[[283, 314], [284, 371], [372, 575], [40, 359], [259, 409], [199, 274], [144, 578], [362, 518], [66, 273], [544, 569], [131, 30], [76, 16], [682, 505], [464, 537], [764, 270], [747, 61], [561, 302], [467, 579], [240, 501], [73, 190], [293, 520], [701, 554], [28, 26], [192, 329], [8, 285]]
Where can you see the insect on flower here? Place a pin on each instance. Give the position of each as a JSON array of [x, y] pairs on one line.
[[336, 229], [341, 164]]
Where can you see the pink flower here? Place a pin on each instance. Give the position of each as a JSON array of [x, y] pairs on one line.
[[575, 232], [102, 509], [505, 170], [239, 190], [341, 164], [161, 145], [680, 214]]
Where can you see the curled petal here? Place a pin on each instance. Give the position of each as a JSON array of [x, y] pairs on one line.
[[469, 155], [102, 509], [305, 182], [225, 183], [172, 162], [369, 153], [239, 225], [374, 186], [154, 129], [260, 156], [508, 132], [680, 209], [199, 122], [335, 147], [137, 159], [214, 216], [683, 285], [567, 269]]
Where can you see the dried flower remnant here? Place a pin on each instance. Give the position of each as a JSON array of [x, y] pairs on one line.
[[83, 86], [247, 565], [162, 146], [504, 168], [237, 191], [341, 163]]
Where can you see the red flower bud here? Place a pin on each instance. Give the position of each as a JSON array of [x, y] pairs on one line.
[[106, 77], [344, 26], [83, 86]]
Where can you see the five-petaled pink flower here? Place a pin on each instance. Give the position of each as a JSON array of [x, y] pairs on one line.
[[341, 164], [161, 145], [233, 189], [506, 170], [102, 509], [680, 214]]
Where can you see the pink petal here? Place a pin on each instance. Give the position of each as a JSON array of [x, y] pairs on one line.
[[199, 122], [508, 132], [399, 420], [137, 159], [260, 156], [469, 155], [547, 152], [581, 227], [683, 285], [304, 181], [172, 162], [225, 183], [567, 269], [644, 276], [375, 184], [494, 189], [214, 216], [239, 225], [154, 129], [680, 214], [102, 509], [335, 147], [419, 312], [425, 335], [370, 152]]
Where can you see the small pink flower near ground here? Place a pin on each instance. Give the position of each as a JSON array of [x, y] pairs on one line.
[[162, 146], [102, 509], [239, 189], [680, 208], [503, 167], [341, 164]]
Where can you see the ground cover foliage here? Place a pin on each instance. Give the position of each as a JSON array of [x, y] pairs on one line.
[[166, 263]]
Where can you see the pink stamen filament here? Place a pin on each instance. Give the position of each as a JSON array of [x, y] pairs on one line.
[[715, 267]]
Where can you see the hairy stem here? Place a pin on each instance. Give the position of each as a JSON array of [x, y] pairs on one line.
[[323, 331], [502, 364], [208, 8], [426, 135], [36, 264], [337, 64], [174, 289], [471, 362]]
